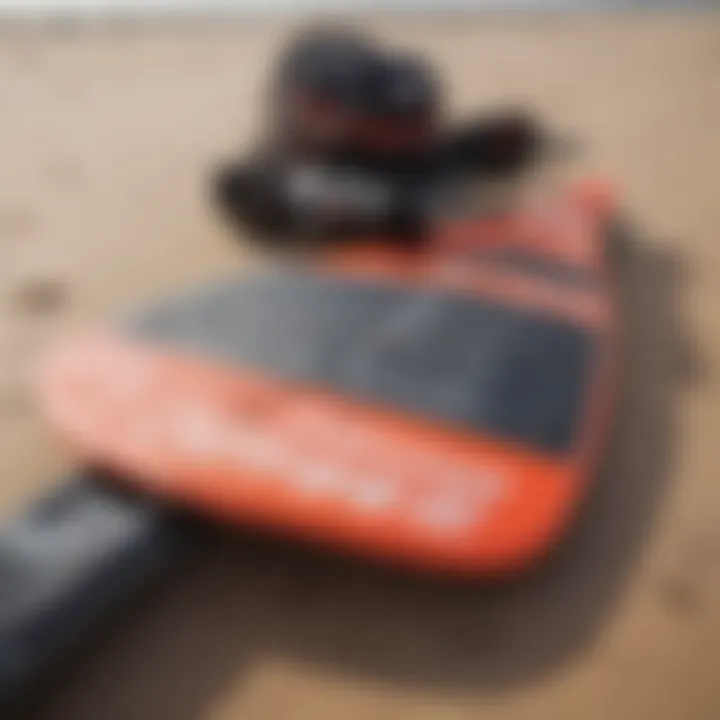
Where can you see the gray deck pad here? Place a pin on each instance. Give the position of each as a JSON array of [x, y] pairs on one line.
[[470, 362]]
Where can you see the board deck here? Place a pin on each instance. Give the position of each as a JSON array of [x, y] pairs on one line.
[[444, 424]]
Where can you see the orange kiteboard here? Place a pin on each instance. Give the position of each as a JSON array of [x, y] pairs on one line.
[[443, 409]]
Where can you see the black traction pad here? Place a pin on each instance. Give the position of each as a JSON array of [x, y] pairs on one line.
[[456, 359]]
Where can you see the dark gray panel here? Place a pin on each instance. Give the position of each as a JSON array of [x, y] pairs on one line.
[[456, 359]]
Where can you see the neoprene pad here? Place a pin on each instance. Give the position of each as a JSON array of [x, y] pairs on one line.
[[452, 358]]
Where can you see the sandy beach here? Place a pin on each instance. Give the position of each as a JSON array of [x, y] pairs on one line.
[[107, 138]]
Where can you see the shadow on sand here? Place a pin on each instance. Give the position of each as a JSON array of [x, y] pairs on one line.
[[186, 644]]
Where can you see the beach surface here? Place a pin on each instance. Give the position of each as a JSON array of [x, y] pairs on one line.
[[107, 139]]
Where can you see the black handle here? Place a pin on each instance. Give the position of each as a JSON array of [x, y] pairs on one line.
[[67, 563]]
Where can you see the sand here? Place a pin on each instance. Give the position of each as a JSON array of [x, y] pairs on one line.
[[106, 141]]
